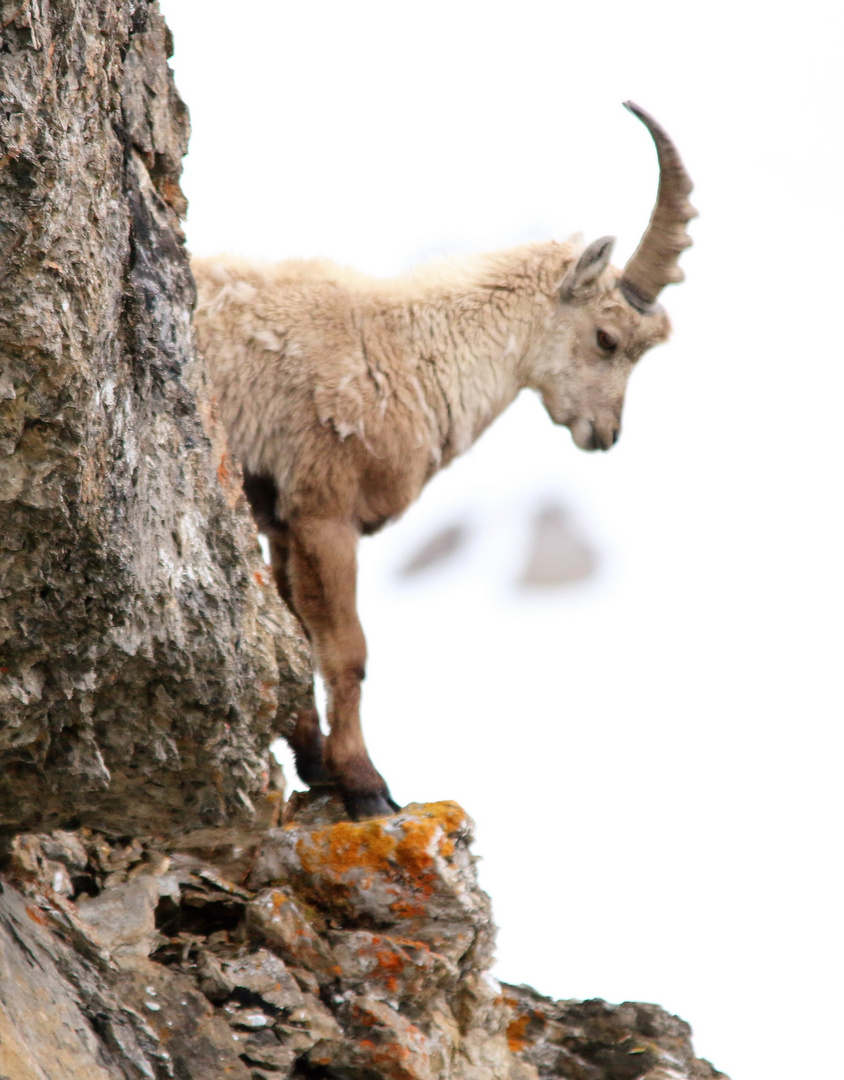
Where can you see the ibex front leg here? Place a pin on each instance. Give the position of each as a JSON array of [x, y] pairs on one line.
[[323, 571]]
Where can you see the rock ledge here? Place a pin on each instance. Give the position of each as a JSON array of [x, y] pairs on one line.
[[316, 947]]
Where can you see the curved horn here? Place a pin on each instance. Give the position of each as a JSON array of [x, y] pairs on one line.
[[653, 264]]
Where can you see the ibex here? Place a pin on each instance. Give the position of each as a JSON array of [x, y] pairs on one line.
[[343, 395]]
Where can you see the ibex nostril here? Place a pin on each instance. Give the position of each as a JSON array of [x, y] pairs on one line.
[[615, 434]]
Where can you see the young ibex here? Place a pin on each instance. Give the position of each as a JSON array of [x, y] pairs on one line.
[[343, 395]]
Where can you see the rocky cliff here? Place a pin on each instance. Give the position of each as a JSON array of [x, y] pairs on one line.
[[145, 661], [162, 912], [312, 947]]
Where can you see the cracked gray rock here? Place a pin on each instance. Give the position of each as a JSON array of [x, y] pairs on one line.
[[146, 662]]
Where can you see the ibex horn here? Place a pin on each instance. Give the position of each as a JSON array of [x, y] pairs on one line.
[[653, 264]]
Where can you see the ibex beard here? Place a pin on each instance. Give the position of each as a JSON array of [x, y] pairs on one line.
[[343, 395]]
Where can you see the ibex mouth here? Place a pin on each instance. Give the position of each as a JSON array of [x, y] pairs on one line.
[[603, 440], [588, 436]]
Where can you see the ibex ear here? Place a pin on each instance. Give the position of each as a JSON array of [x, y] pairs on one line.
[[591, 263]]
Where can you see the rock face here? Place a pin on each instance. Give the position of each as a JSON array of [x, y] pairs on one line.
[[347, 950], [145, 660]]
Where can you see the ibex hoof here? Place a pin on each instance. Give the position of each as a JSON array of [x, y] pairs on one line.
[[369, 804]]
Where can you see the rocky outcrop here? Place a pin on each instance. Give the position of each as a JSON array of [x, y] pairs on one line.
[[591, 1040], [145, 660], [315, 948]]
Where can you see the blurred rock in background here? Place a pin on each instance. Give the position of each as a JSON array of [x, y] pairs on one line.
[[441, 547], [555, 552], [558, 554]]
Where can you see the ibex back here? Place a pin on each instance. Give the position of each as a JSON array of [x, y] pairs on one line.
[[343, 395]]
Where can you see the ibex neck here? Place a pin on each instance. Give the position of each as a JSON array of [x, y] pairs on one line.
[[470, 348]]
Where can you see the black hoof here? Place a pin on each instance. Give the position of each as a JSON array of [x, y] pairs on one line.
[[369, 804], [311, 769]]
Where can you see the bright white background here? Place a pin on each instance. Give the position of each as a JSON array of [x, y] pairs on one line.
[[653, 757]]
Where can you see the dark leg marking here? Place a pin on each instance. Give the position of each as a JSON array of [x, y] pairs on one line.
[[308, 744]]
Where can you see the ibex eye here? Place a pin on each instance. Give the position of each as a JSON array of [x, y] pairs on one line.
[[607, 342]]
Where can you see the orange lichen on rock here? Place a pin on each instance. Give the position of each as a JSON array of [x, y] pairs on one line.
[[404, 909], [411, 943], [517, 1033], [410, 870], [452, 820], [374, 846], [346, 846], [525, 1028], [413, 852], [392, 1046], [390, 964], [389, 960], [363, 1017], [394, 1060], [449, 815]]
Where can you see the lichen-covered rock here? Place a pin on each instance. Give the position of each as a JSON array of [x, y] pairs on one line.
[[275, 917], [412, 873], [264, 974], [389, 968], [145, 660], [591, 1040], [310, 975], [377, 1041]]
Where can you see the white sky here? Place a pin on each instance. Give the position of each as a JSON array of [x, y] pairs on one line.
[[653, 758]]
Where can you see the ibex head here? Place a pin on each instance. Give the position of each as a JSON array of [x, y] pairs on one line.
[[605, 318]]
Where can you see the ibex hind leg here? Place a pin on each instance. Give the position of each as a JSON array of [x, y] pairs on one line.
[[307, 741], [322, 575]]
